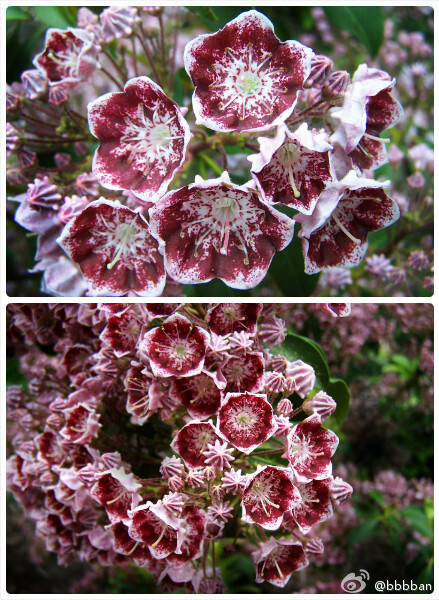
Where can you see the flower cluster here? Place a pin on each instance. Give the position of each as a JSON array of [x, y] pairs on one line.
[[128, 215], [140, 436]]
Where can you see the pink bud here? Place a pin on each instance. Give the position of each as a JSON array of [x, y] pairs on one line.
[[336, 85], [340, 490], [303, 374], [315, 546], [320, 67], [322, 404], [284, 407]]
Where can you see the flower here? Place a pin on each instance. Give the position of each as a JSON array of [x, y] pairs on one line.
[[310, 448], [69, 57], [114, 250], [214, 229], [276, 560], [340, 309], [191, 547], [244, 373], [176, 348], [192, 440], [116, 490], [246, 420], [336, 233], [143, 138], [315, 504], [229, 317], [293, 168], [245, 79], [269, 493], [199, 394], [152, 525]]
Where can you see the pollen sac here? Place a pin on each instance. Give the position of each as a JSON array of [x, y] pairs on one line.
[[143, 138], [246, 420], [177, 348], [245, 78], [269, 493], [114, 250], [214, 228]]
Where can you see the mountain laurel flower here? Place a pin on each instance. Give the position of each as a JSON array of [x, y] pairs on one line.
[[177, 347], [310, 448], [268, 494], [114, 249], [340, 309], [213, 228], [315, 504], [218, 455], [199, 394], [293, 168], [335, 235], [68, 58], [276, 560], [143, 138], [245, 79], [192, 440], [246, 420], [116, 490], [161, 531], [233, 317], [341, 491]]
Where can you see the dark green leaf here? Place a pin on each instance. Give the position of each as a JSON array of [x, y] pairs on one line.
[[15, 13], [418, 519], [362, 531], [297, 347], [288, 271], [378, 497], [366, 23], [60, 17], [338, 389], [181, 81]]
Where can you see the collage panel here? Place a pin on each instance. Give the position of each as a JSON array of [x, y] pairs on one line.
[[219, 448], [282, 151]]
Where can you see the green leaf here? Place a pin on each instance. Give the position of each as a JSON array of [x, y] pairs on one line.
[[339, 391], [288, 271], [297, 347], [60, 17], [362, 531], [366, 23], [15, 13], [204, 12], [378, 497], [418, 519]]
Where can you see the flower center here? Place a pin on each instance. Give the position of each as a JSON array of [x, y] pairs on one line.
[[180, 350], [248, 83], [225, 210], [160, 135], [123, 238]]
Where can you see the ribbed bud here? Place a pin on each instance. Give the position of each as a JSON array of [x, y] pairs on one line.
[[58, 95], [340, 490], [34, 83], [273, 331], [284, 407], [314, 546], [274, 382], [171, 466], [279, 363], [336, 85], [321, 66], [304, 376], [322, 404]]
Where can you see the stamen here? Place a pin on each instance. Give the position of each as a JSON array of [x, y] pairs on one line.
[[377, 139], [296, 192], [345, 231], [123, 492], [160, 538]]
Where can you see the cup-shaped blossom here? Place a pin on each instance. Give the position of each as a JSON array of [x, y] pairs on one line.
[[293, 168], [315, 504], [245, 78], [176, 348], [191, 547], [214, 229], [276, 560], [161, 531], [114, 249], [199, 394], [69, 56], [244, 373], [192, 440], [122, 332], [269, 493], [82, 424], [246, 420], [310, 448], [143, 138], [228, 317], [367, 110], [335, 235], [116, 490]]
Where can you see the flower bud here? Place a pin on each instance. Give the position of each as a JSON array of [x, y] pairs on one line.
[[304, 376], [340, 490], [322, 404], [284, 407], [279, 363], [314, 546], [336, 85], [321, 66], [274, 382]]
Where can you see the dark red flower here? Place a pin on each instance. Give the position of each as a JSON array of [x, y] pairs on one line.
[[276, 560], [143, 138], [245, 78], [191, 441], [228, 317], [199, 394], [315, 504], [114, 250]]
